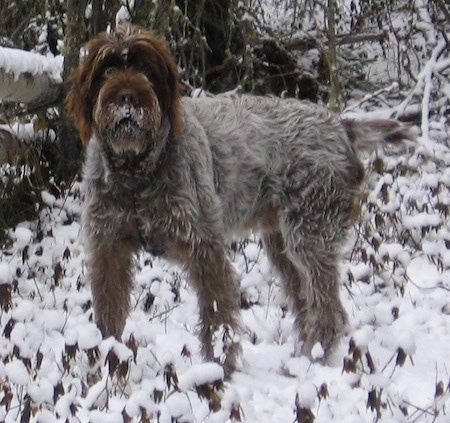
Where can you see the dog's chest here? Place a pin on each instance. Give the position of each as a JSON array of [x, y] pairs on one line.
[[157, 222], [151, 225]]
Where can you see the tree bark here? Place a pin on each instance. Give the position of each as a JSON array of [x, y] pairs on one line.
[[69, 154], [331, 57]]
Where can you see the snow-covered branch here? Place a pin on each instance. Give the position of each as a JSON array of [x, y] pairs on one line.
[[29, 77]]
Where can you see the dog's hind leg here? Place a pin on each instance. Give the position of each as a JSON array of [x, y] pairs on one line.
[[311, 281], [292, 277], [306, 252]]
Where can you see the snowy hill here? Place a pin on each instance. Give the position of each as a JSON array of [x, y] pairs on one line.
[[392, 367]]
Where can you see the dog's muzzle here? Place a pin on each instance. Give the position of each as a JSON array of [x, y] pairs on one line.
[[126, 123]]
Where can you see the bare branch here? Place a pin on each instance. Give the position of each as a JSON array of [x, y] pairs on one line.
[[307, 43], [444, 9]]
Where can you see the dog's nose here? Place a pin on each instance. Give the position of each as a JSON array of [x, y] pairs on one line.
[[128, 96]]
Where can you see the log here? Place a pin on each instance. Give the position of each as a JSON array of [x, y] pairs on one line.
[[27, 77]]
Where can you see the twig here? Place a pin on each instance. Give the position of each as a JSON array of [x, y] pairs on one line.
[[443, 7]]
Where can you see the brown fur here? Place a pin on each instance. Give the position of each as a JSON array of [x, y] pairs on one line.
[[155, 58]]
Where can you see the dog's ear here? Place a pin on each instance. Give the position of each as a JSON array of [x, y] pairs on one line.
[[80, 97], [175, 92], [175, 89], [78, 108]]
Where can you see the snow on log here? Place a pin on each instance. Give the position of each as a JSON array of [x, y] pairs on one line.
[[29, 77]]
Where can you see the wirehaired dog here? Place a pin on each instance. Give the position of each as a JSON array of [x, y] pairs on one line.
[[178, 176]]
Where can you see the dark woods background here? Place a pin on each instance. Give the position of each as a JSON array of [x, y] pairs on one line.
[[323, 51]]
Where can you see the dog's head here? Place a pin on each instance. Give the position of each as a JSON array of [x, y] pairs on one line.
[[123, 89]]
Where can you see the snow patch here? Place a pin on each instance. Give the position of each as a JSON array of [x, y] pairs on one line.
[[20, 62], [200, 374]]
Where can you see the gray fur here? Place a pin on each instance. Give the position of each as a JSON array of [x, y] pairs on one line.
[[285, 168]]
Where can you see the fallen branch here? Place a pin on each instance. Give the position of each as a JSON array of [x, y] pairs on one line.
[[308, 43]]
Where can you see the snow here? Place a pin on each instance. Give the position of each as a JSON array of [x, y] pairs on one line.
[[422, 220], [23, 236], [89, 337], [399, 323], [20, 62], [17, 373], [307, 394], [5, 274], [200, 374], [317, 352]]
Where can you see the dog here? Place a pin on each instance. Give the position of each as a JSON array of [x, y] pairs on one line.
[[180, 176]]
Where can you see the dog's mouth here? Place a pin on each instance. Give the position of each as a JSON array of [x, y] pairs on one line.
[[128, 136], [126, 125], [128, 130], [127, 118]]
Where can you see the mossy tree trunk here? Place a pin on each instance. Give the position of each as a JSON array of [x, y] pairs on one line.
[[76, 33]]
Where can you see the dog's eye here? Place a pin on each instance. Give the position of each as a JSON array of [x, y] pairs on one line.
[[109, 71]]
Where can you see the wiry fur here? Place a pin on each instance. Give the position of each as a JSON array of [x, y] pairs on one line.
[[211, 168]]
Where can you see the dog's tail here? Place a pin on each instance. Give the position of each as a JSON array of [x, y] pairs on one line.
[[368, 135]]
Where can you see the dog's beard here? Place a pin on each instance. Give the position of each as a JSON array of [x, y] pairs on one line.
[[128, 131]]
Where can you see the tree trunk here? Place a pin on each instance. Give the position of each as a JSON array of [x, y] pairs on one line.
[[103, 13], [69, 155], [335, 91], [213, 19]]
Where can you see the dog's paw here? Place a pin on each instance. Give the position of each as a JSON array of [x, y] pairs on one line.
[[227, 348], [321, 336]]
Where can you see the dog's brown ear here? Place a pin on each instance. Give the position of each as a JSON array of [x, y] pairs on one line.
[[79, 99], [175, 92], [78, 108]]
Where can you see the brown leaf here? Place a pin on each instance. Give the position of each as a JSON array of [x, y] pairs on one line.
[[123, 369], [113, 362], [25, 254], [5, 296], [323, 391], [401, 357], [186, 352], [370, 363], [58, 390], [132, 345], [209, 393], [303, 414], [8, 328], [439, 389], [349, 366], [59, 273], [66, 254], [235, 413], [7, 396]]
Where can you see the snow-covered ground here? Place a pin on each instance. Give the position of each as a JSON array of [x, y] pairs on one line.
[[392, 367]]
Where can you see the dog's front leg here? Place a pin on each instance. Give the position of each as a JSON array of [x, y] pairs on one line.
[[111, 245], [214, 279]]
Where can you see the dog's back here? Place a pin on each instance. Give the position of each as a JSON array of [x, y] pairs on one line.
[[264, 148]]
